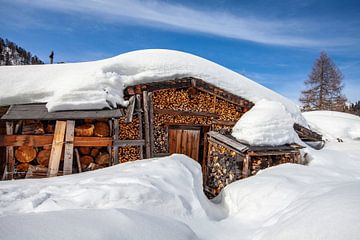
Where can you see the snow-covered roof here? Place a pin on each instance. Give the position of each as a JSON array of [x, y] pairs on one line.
[[100, 84]]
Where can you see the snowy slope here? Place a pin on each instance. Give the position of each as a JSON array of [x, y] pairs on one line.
[[333, 125], [162, 199]]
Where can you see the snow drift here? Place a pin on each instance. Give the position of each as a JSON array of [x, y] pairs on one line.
[[333, 125]]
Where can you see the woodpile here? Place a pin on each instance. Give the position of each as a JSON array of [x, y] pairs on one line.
[[223, 167], [43, 157], [129, 131], [103, 159], [86, 130], [130, 153], [32, 127], [22, 167], [102, 129], [25, 154]]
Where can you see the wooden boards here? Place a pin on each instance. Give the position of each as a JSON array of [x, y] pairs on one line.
[[185, 141], [57, 145], [10, 157], [41, 140], [69, 147]]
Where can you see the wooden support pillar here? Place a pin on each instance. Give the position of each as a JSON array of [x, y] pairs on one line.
[[151, 123], [139, 111], [69, 147], [246, 166], [111, 128], [56, 149], [130, 110], [147, 125], [116, 131], [10, 156]]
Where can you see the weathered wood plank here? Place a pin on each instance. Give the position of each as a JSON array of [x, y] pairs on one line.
[[139, 111], [56, 148], [125, 143], [116, 133], [78, 160], [69, 147], [147, 125], [39, 111], [130, 110], [10, 156], [41, 140], [151, 123]]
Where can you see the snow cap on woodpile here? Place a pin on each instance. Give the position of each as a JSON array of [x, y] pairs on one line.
[[268, 123]]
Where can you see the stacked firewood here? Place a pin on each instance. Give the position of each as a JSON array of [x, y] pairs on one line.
[[27, 156], [228, 111], [223, 166], [130, 153], [34, 127], [92, 158], [129, 131], [258, 163], [183, 100]]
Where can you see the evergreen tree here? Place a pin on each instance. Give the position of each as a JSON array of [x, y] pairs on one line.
[[324, 87]]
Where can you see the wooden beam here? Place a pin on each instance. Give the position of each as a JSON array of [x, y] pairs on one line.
[[222, 122], [69, 147], [185, 113], [151, 123], [56, 148], [139, 110], [246, 167], [147, 125], [41, 140], [109, 148], [125, 143], [78, 160], [130, 110], [116, 133], [10, 156]]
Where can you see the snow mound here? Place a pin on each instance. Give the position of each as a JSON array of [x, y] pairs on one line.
[[94, 224], [291, 201], [333, 125], [100, 84], [151, 186], [267, 123]]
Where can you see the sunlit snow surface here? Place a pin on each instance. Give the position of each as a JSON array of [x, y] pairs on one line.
[[163, 199], [100, 84]]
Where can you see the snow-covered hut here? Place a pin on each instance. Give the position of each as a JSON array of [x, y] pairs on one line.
[[139, 105]]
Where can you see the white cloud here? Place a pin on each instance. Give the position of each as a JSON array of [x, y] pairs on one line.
[[163, 14]]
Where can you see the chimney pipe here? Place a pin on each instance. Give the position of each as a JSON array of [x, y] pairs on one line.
[[51, 56]]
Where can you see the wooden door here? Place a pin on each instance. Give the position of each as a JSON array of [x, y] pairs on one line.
[[185, 141]]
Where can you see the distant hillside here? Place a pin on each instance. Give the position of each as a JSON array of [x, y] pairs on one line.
[[12, 54]]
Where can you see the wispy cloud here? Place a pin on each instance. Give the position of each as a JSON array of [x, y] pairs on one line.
[[164, 14]]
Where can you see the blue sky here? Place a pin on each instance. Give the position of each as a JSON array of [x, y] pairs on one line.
[[272, 42]]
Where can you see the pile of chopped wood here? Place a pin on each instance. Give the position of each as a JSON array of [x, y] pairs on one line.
[[224, 166]]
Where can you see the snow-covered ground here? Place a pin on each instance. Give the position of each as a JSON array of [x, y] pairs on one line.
[[162, 199]]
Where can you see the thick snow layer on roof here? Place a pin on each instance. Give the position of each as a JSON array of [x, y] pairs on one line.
[[100, 84], [333, 125], [268, 124], [163, 199]]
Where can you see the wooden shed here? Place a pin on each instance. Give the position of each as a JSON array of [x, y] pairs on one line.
[[186, 115]]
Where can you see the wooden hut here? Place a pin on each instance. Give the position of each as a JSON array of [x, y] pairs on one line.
[[184, 115]]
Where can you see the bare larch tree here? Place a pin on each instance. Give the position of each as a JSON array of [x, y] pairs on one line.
[[324, 87]]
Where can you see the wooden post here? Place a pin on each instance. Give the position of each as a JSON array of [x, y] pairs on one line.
[[151, 123], [56, 149], [78, 160], [138, 109], [69, 147], [147, 125], [246, 167], [10, 156], [116, 132], [130, 110], [111, 162]]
